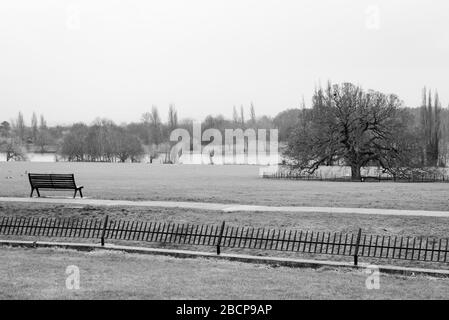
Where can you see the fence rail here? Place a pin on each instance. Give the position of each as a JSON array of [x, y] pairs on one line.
[[300, 176], [225, 236]]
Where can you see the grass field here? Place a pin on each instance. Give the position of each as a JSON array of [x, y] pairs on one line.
[[40, 274], [227, 184]]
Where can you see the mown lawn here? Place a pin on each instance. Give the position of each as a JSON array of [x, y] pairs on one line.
[[227, 184], [41, 274]]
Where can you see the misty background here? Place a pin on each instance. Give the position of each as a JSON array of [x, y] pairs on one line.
[[78, 60]]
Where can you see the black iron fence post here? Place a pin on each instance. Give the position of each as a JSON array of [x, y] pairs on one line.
[[219, 238], [104, 230], [356, 251]]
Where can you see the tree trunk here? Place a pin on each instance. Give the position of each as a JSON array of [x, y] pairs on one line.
[[355, 172]]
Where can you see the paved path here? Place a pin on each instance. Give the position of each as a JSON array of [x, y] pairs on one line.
[[225, 207]]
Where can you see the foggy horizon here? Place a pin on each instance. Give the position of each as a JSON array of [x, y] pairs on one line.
[[112, 59]]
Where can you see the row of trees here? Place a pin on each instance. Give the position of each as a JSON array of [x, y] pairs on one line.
[[74, 144], [37, 134], [103, 141], [153, 131], [16, 137], [430, 129], [345, 125], [349, 126]]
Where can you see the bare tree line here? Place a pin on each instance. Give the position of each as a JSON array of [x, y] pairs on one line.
[[16, 135], [345, 125]]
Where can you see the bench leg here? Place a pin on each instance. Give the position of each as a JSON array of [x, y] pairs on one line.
[[32, 191], [38, 193], [74, 196], [81, 192]]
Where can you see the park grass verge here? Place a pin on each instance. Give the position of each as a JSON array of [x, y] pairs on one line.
[[40, 274]]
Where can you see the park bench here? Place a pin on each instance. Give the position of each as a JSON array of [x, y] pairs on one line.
[[53, 182]]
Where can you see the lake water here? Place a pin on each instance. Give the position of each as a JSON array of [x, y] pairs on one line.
[[186, 159], [34, 157]]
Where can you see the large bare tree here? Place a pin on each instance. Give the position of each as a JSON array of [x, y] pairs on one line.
[[349, 126]]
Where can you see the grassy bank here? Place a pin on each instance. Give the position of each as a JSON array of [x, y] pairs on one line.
[[40, 274]]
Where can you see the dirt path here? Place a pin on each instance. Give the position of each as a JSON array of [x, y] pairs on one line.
[[225, 207]]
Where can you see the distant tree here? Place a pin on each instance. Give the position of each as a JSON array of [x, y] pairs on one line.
[[56, 133], [252, 116], [172, 118], [235, 116], [172, 123], [146, 126], [42, 122], [141, 130], [153, 125], [286, 121], [128, 146], [156, 126], [43, 137], [74, 143], [265, 122], [351, 125], [242, 116], [146, 117], [430, 128], [5, 129], [215, 122], [187, 124], [20, 127], [43, 140], [14, 150], [34, 128], [444, 137], [101, 141], [95, 143]]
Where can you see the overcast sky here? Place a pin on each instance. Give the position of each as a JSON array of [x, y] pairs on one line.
[[77, 60]]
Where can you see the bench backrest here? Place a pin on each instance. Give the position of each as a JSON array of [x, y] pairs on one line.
[[52, 181]]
